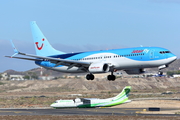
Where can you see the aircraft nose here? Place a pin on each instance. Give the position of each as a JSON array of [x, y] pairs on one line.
[[175, 57], [52, 105]]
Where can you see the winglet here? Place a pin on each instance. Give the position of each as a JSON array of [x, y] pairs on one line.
[[14, 48]]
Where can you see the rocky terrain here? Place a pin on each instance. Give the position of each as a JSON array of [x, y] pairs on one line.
[[78, 86], [41, 93]]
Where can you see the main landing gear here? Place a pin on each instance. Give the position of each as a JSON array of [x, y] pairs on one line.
[[90, 76], [111, 77]]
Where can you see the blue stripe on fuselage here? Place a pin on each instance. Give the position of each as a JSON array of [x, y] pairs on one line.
[[65, 56], [138, 54]]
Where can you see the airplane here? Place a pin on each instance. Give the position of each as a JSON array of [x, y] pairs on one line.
[[131, 60], [94, 102]]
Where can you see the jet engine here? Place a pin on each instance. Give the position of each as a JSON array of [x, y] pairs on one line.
[[135, 71], [99, 68]]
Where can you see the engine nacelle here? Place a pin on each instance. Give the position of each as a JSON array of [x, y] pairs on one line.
[[99, 68], [135, 71]]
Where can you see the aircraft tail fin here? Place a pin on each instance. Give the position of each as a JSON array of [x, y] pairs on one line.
[[42, 45], [124, 94]]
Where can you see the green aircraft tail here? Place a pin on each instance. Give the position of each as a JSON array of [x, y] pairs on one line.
[[124, 94]]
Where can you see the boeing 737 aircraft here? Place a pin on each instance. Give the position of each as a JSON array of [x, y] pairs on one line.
[[131, 60], [94, 102]]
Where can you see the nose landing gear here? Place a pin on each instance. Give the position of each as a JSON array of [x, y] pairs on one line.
[[160, 72]]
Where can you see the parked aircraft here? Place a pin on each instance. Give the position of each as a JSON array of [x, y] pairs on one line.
[[94, 102], [131, 60]]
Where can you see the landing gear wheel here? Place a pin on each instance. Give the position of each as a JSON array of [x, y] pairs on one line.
[[111, 77], [90, 77]]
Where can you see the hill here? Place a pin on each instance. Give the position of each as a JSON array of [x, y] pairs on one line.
[[81, 85]]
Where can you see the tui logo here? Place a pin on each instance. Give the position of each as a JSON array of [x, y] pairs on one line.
[[39, 48]]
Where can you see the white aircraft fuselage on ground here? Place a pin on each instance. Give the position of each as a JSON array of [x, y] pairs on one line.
[[94, 102], [131, 60]]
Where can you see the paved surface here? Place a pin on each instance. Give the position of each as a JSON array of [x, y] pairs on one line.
[[82, 111]]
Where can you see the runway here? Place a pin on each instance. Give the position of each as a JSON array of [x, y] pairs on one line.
[[82, 111]]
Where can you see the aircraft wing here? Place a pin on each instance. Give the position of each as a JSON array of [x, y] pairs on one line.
[[57, 61]]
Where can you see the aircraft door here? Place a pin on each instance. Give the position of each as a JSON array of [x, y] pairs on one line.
[[151, 54]]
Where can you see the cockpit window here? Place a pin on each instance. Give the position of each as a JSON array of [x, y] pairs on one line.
[[163, 52]]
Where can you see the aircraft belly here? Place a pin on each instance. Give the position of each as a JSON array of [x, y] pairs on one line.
[[125, 63], [71, 70], [129, 63]]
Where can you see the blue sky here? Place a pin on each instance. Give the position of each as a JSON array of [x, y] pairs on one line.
[[84, 25]]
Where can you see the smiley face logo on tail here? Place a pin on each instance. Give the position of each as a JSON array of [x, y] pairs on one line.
[[39, 48]]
